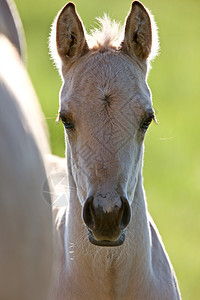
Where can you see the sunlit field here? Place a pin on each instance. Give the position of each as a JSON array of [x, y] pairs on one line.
[[172, 148]]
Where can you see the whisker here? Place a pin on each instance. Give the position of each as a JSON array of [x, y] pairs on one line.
[[50, 118]]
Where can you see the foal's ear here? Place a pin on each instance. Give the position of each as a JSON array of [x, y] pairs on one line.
[[138, 32], [70, 38]]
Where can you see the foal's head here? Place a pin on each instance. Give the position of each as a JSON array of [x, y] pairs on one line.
[[106, 109]]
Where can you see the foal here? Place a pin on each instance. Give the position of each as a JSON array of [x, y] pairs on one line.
[[108, 244]]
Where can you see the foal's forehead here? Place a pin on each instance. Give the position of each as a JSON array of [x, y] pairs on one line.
[[109, 65], [105, 74]]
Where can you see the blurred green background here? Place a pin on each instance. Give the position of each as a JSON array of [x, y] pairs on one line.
[[172, 152]]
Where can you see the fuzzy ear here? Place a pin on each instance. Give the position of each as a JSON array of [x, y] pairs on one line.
[[138, 32], [70, 38]]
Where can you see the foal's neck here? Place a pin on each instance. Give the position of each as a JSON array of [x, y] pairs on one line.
[[106, 267]]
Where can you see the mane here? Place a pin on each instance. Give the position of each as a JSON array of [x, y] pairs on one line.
[[108, 35]]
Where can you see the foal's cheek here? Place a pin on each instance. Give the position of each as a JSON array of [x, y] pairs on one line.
[[80, 176], [139, 137], [80, 185]]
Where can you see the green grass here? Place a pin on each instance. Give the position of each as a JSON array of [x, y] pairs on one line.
[[172, 152]]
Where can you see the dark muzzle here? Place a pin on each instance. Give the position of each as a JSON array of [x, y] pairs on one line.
[[106, 223]]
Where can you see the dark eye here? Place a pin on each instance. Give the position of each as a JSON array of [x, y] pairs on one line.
[[68, 124], [146, 123]]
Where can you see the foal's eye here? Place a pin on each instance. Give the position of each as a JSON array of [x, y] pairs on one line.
[[146, 123], [68, 124]]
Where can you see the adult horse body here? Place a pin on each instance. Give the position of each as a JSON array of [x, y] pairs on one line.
[[26, 243], [109, 245]]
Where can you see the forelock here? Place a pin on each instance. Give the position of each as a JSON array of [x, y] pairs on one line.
[[108, 35]]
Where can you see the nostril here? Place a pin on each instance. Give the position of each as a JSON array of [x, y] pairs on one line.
[[87, 213], [106, 224], [126, 216]]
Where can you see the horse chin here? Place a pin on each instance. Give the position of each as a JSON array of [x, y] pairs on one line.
[[107, 243]]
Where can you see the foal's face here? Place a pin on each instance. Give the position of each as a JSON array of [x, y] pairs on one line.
[[106, 109]]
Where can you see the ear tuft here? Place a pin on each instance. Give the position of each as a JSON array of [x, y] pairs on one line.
[[138, 32], [70, 37]]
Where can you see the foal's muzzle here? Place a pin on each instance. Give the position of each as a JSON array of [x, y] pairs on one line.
[[106, 227]]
